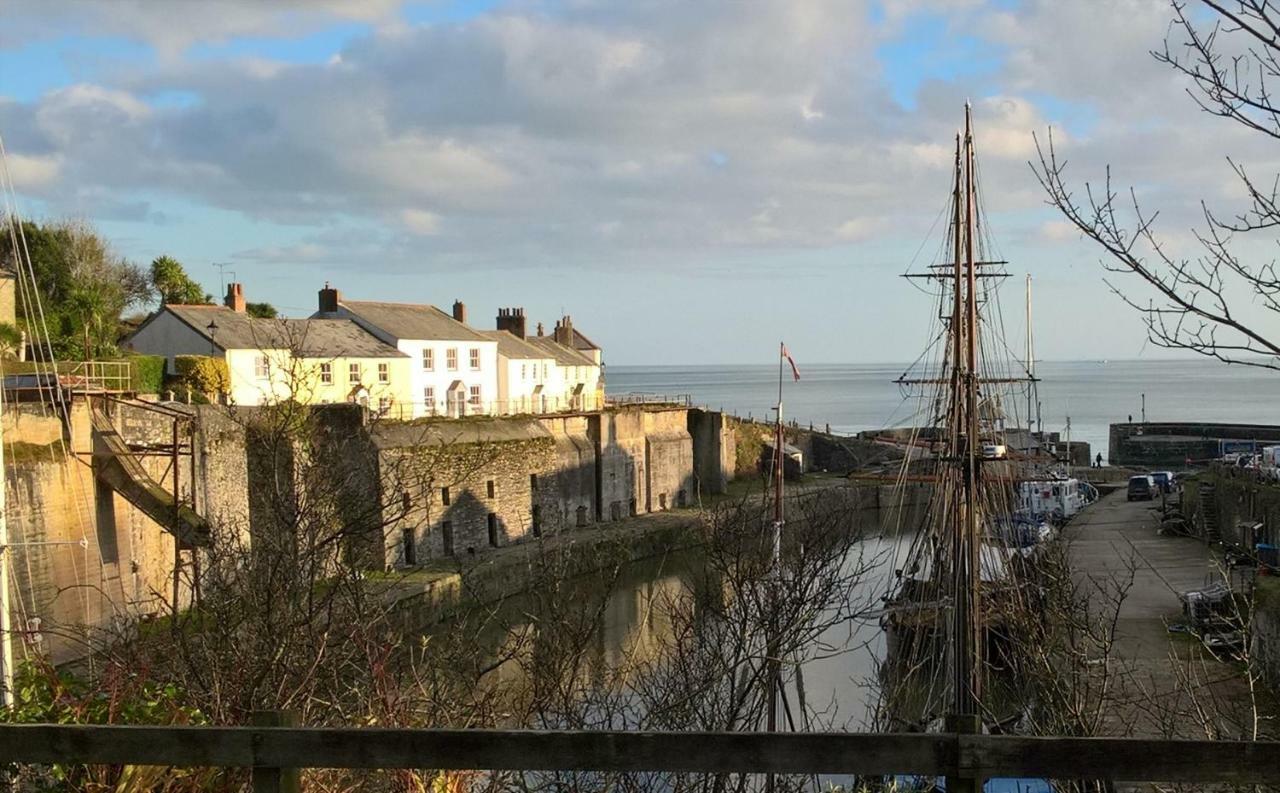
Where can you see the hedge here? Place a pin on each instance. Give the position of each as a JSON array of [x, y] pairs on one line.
[[147, 373]]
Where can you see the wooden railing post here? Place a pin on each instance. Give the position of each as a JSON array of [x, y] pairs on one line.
[[967, 778], [268, 779]]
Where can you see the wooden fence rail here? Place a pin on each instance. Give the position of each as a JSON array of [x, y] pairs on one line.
[[961, 756]]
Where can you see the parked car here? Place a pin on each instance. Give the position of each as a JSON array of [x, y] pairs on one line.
[[1165, 480], [1141, 487], [994, 451]]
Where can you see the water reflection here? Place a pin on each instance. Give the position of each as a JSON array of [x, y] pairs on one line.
[[625, 620]]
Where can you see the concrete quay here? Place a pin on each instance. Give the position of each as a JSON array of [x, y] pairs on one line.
[[1166, 684]]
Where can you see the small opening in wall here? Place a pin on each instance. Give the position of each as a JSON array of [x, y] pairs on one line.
[[493, 530], [491, 488], [444, 496], [410, 547], [446, 536]]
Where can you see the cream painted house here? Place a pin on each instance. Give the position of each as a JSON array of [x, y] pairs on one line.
[[524, 372], [268, 360], [575, 382], [453, 368]]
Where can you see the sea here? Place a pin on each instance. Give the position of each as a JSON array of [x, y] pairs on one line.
[[1092, 395]]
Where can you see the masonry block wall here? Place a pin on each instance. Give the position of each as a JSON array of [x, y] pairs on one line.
[[567, 491], [668, 459], [714, 449], [619, 445], [125, 565]]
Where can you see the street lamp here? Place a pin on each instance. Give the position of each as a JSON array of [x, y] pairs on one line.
[[212, 327]]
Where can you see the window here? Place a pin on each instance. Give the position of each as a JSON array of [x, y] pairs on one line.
[[384, 404], [493, 530], [544, 371], [410, 547], [474, 401], [326, 373], [260, 367], [384, 373], [451, 359], [353, 373], [428, 359], [429, 399], [491, 488], [446, 537], [475, 359], [444, 496], [523, 366]]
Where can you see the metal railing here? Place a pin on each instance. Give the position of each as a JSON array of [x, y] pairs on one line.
[[78, 377], [679, 400], [525, 406], [276, 752]]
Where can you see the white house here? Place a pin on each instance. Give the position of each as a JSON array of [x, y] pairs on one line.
[[312, 361], [454, 368], [524, 369], [576, 381]]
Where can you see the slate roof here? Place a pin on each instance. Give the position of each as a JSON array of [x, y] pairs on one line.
[[512, 346], [412, 321], [581, 342], [562, 354], [313, 338]]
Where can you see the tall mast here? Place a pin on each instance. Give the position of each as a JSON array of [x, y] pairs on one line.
[[966, 631], [775, 570], [1031, 363]]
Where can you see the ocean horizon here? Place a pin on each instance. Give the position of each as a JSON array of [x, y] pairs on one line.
[[1094, 394]]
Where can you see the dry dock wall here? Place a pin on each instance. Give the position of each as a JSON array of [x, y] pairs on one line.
[[508, 480]]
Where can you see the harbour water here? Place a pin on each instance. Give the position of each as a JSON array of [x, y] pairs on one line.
[[1095, 394]]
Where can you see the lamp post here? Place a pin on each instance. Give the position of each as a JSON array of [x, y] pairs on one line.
[[212, 327]]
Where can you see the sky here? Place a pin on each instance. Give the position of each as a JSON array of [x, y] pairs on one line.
[[691, 182]]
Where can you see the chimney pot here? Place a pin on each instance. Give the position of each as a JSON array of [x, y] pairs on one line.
[[235, 297]]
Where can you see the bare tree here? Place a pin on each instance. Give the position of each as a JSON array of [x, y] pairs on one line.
[[1197, 303]]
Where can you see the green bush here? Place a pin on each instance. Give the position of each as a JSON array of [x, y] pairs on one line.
[[202, 374], [147, 373]]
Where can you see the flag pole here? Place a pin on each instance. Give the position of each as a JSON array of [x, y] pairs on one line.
[[773, 662]]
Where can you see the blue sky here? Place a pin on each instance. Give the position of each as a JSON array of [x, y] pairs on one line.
[[689, 181]]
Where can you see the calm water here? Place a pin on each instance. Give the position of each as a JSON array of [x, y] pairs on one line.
[[1095, 394]]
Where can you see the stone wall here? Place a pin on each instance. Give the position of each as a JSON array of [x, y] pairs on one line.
[[1172, 444], [98, 556], [714, 450], [1239, 496]]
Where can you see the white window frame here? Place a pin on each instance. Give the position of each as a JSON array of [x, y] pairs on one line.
[[451, 359], [326, 373], [353, 372], [474, 396], [429, 399], [428, 359], [474, 357], [384, 372], [261, 369]]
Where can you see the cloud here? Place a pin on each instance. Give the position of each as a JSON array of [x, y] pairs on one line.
[[592, 133], [420, 222]]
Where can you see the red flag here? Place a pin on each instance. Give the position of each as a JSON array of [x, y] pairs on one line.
[[794, 371]]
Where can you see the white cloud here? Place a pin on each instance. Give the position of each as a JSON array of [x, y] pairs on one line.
[[420, 222]]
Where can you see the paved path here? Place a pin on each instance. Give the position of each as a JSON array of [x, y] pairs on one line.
[[1107, 541]]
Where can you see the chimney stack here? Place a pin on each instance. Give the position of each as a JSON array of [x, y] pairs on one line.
[[512, 320], [460, 311], [540, 329], [235, 297], [564, 331], [329, 299]]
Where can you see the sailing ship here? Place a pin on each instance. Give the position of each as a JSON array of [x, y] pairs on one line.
[[968, 573]]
